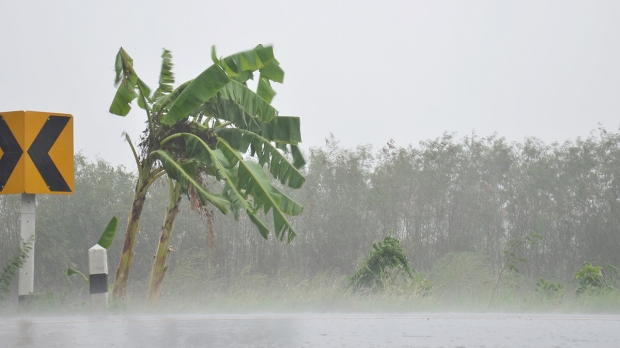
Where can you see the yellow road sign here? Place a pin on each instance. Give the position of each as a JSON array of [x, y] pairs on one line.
[[36, 153]]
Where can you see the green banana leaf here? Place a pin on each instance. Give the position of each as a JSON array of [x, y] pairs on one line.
[[127, 82], [166, 77], [179, 173], [287, 204], [279, 166], [253, 179], [196, 148], [227, 76], [298, 158], [144, 92], [201, 89], [123, 66], [262, 228], [264, 89], [271, 72], [252, 60], [71, 271], [252, 103], [164, 100], [283, 129], [107, 237], [228, 110]]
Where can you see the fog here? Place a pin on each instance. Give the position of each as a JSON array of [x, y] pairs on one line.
[[464, 211]]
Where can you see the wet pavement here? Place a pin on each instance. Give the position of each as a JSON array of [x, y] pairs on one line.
[[314, 330]]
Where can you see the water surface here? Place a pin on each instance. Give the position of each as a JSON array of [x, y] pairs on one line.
[[314, 330]]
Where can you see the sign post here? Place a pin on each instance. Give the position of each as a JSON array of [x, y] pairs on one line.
[[36, 157], [26, 272]]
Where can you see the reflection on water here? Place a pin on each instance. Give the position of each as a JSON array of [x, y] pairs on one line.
[[314, 330]]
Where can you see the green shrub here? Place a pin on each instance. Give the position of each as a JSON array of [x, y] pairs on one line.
[[549, 290], [591, 279], [386, 261]]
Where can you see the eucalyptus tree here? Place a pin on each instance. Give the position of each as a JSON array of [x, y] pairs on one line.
[[203, 128]]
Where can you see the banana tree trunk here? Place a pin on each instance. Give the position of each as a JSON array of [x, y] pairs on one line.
[[124, 265], [159, 266]]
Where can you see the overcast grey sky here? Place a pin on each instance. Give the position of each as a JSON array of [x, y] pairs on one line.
[[365, 71]]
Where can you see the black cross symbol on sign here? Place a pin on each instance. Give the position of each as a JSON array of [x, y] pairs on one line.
[[39, 153], [12, 152]]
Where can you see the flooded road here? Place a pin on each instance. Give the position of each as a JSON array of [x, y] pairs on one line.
[[314, 330]]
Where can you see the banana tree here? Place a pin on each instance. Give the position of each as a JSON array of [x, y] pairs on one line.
[[203, 127]]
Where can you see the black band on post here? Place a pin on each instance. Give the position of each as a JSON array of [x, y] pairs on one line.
[[22, 298], [98, 283]]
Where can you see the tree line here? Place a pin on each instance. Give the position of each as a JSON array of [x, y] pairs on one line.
[[444, 196]]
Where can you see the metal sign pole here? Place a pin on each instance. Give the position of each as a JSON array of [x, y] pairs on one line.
[[26, 272]]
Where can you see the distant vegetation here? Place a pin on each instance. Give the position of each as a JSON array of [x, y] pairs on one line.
[[459, 208]]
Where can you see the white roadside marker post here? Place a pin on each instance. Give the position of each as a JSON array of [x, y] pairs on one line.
[[98, 277], [26, 272]]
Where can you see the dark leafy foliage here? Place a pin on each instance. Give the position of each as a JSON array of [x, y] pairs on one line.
[[591, 279], [385, 256]]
